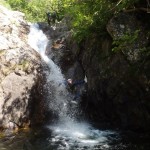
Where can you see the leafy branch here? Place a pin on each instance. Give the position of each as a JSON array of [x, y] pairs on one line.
[[123, 41]]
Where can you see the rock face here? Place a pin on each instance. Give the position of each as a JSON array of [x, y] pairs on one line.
[[132, 38], [20, 73], [62, 50], [119, 82], [59, 50]]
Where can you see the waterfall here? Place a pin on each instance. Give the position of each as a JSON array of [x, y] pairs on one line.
[[58, 94], [67, 130]]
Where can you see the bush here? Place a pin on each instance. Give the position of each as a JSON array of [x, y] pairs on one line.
[[35, 10], [86, 16]]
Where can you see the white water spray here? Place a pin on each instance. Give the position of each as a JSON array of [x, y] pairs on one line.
[[38, 41], [58, 94]]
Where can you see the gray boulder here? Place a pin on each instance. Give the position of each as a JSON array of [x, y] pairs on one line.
[[20, 74]]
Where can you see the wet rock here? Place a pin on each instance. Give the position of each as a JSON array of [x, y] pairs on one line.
[[62, 50], [118, 83]]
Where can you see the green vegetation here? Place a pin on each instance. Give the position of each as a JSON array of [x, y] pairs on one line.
[[91, 16], [34, 10], [127, 39], [24, 65], [86, 16], [4, 3]]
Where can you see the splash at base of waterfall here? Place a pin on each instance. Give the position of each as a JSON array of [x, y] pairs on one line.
[[75, 135]]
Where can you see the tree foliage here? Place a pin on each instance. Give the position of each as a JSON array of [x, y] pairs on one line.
[[4, 3], [91, 16], [86, 16], [34, 10]]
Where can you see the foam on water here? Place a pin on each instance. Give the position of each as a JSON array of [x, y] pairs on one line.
[[80, 134]]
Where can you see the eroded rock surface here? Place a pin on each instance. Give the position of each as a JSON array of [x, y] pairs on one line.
[[20, 72]]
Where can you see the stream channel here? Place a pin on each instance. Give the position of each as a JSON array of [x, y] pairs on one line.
[[67, 133]]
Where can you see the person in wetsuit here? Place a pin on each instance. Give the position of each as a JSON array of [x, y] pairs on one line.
[[51, 17], [77, 88]]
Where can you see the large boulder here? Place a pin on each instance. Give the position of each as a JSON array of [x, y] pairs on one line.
[[118, 82], [20, 74], [130, 34]]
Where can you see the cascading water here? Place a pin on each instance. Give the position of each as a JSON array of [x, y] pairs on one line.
[[58, 94], [67, 133]]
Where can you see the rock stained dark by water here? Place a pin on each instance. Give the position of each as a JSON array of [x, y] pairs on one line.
[[63, 53], [118, 82], [119, 87]]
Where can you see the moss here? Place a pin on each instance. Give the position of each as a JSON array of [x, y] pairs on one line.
[[123, 42], [24, 65], [2, 52], [6, 71]]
